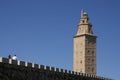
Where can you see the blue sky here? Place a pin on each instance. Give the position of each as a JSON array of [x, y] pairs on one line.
[[41, 31]]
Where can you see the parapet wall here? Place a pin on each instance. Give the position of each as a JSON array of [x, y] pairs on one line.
[[26, 67]]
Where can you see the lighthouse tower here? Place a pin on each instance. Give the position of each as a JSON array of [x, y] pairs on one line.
[[84, 47]]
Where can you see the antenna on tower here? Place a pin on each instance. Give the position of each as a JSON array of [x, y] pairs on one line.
[[82, 12]]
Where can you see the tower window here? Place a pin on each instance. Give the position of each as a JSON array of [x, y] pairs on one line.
[[92, 60], [88, 59], [88, 51], [88, 67], [83, 21], [81, 61], [93, 53], [92, 69]]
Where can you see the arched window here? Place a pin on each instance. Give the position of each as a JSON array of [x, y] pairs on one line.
[[83, 21]]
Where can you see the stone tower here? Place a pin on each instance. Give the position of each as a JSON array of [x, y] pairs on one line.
[[85, 47]]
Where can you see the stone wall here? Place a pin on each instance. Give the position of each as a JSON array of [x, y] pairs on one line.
[[20, 70]]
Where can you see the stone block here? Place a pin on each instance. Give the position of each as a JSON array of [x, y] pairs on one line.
[[78, 73], [18, 62], [69, 72], [29, 64], [94, 76], [47, 68], [65, 71], [22, 63], [14, 62], [73, 72], [88, 75], [61, 70], [4, 60], [52, 69], [32, 65], [83, 74], [57, 70], [35, 65], [42, 67], [11, 61], [39, 66]]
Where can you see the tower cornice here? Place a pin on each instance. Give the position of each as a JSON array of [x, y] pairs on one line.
[[84, 35]]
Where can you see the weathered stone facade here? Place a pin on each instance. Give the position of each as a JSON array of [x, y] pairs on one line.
[[20, 70], [85, 47]]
